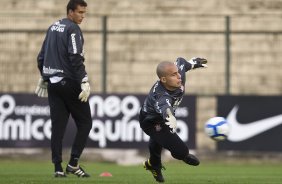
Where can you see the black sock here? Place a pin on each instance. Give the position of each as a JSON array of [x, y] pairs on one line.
[[73, 161], [155, 163], [58, 167]]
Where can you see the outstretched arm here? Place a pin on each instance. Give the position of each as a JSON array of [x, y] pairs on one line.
[[193, 63], [197, 62], [184, 66]]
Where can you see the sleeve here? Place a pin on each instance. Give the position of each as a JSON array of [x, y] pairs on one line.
[[40, 57], [162, 104], [183, 65], [75, 51]]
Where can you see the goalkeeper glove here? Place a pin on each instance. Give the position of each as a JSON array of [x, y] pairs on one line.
[[41, 89], [197, 62], [85, 91], [171, 121]]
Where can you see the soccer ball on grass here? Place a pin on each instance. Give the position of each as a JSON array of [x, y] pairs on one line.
[[217, 128]]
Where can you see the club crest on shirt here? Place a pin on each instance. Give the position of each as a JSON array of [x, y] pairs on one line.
[[158, 127]]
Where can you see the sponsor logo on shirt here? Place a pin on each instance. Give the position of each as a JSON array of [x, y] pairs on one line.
[[167, 101], [58, 27], [49, 70], [158, 107], [73, 43]]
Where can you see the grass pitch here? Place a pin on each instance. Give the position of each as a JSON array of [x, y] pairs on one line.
[[41, 172]]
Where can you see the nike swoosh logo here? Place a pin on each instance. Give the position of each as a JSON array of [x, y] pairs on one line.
[[240, 132]]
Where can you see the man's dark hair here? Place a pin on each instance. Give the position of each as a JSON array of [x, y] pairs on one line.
[[72, 5]]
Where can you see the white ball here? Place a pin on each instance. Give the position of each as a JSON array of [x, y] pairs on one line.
[[217, 128]]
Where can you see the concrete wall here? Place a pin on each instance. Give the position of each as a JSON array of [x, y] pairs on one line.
[[132, 58]]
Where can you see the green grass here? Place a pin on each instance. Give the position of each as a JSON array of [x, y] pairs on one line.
[[41, 172]]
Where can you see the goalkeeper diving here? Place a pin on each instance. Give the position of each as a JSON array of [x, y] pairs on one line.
[[157, 115]]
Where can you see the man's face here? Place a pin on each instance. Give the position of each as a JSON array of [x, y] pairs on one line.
[[78, 14], [172, 79]]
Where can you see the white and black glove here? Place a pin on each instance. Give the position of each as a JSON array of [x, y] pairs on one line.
[[41, 89], [85, 91], [171, 121], [197, 62]]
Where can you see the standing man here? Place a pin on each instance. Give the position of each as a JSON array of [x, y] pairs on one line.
[[65, 82], [157, 117]]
